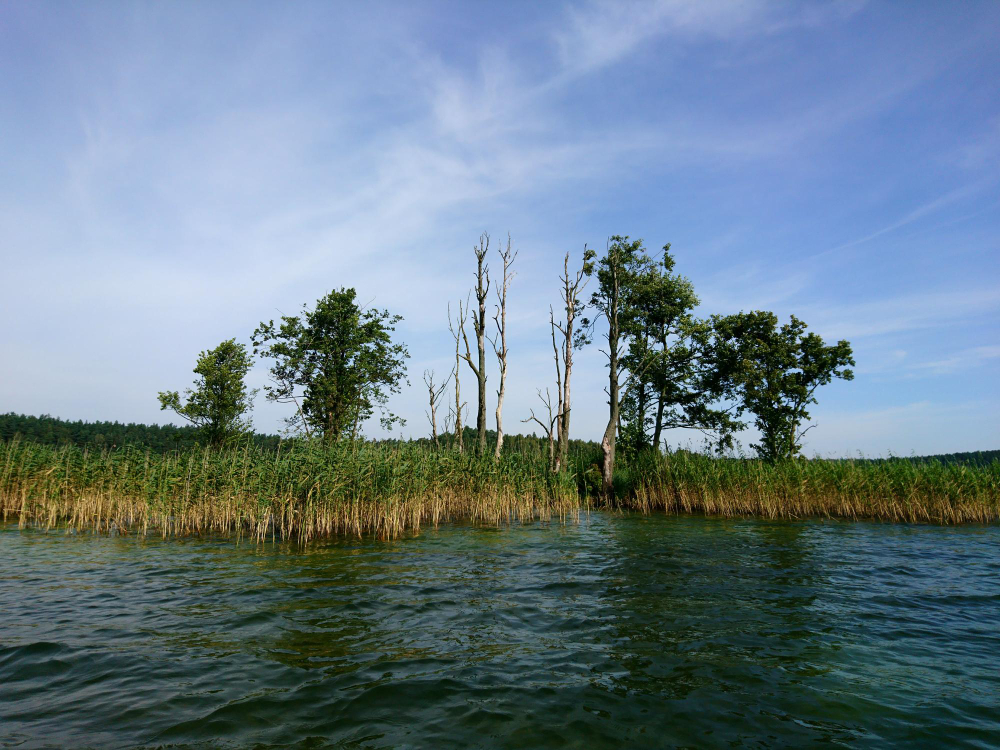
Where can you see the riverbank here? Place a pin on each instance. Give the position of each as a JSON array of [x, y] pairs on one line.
[[307, 491]]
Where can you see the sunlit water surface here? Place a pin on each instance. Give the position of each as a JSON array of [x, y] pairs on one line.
[[614, 632]]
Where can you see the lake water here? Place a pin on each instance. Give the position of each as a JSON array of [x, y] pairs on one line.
[[613, 632]]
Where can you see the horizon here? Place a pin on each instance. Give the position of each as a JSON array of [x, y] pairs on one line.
[[176, 174]]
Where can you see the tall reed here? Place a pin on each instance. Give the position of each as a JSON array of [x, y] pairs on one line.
[[301, 492], [895, 490], [306, 490]]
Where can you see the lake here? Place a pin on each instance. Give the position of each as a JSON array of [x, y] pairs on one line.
[[612, 632]]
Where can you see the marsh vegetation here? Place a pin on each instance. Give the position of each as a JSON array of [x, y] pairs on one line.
[[337, 363], [309, 489]]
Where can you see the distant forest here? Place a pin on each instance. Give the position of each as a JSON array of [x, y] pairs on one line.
[[47, 430]]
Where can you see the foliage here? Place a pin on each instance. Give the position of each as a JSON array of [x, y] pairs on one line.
[[677, 382], [220, 399], [47, 430], [616, 273], [776, 371], [337, 363]]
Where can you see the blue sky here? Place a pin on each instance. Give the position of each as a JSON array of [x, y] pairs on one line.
[[173, 173]]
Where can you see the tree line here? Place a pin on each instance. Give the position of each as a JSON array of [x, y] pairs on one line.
[[104, 435], [667, 368], [337, 363]]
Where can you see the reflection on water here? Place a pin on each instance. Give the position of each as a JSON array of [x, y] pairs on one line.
[[645, 632]]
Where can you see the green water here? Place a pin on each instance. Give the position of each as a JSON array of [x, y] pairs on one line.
[[615, 632]]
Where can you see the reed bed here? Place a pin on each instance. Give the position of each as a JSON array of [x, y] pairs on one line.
[[306, 490], [895, 490], [300, 493]]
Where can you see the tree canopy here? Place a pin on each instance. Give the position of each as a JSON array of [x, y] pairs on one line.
[[776, 371], [336, 362], [220, 399]]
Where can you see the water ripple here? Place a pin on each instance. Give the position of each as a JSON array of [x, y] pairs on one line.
[[647, 632]]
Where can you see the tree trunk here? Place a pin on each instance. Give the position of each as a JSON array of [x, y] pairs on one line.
[[479, 326], [570, 294], [608, 442], [564, 416], [458, 403], [642, 402], [555, 453], [481, 375], [658, 428], [500, 341]]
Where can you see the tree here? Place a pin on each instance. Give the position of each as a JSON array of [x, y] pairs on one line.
[[572, 287], [220, 398], [337, 363], [479, 326], [458, 333], [499, 341], [434, 393], [612, 300], [549, 427], [678, 383], [776, 371]]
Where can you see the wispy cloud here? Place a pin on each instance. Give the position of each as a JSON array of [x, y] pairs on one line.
[[961, 361], [910, 312], [926, 209], [602, 32], [173, 200]]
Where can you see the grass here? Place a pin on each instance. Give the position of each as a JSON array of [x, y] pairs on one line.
[[304, 491]]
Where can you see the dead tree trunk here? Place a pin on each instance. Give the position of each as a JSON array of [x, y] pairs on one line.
[[479, 326], [500, 340], [572, 287], [434, 393], [557, 463], [458, 333], [550, 428]]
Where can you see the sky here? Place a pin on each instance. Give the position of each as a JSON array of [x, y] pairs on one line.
[[171, 174]]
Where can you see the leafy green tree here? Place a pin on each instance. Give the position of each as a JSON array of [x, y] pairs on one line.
[[337, 363], [776, 371], [220, 399], [678, 383]]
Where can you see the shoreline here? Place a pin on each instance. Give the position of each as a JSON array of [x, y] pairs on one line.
[[319, 491]]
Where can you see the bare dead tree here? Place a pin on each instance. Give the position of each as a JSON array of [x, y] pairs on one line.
[[550, 428], [457, 329], [434, 393], [479, 326], [572, 286], [556, 463], [499, 341]]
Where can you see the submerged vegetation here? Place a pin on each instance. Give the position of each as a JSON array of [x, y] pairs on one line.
[[305, 490]]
